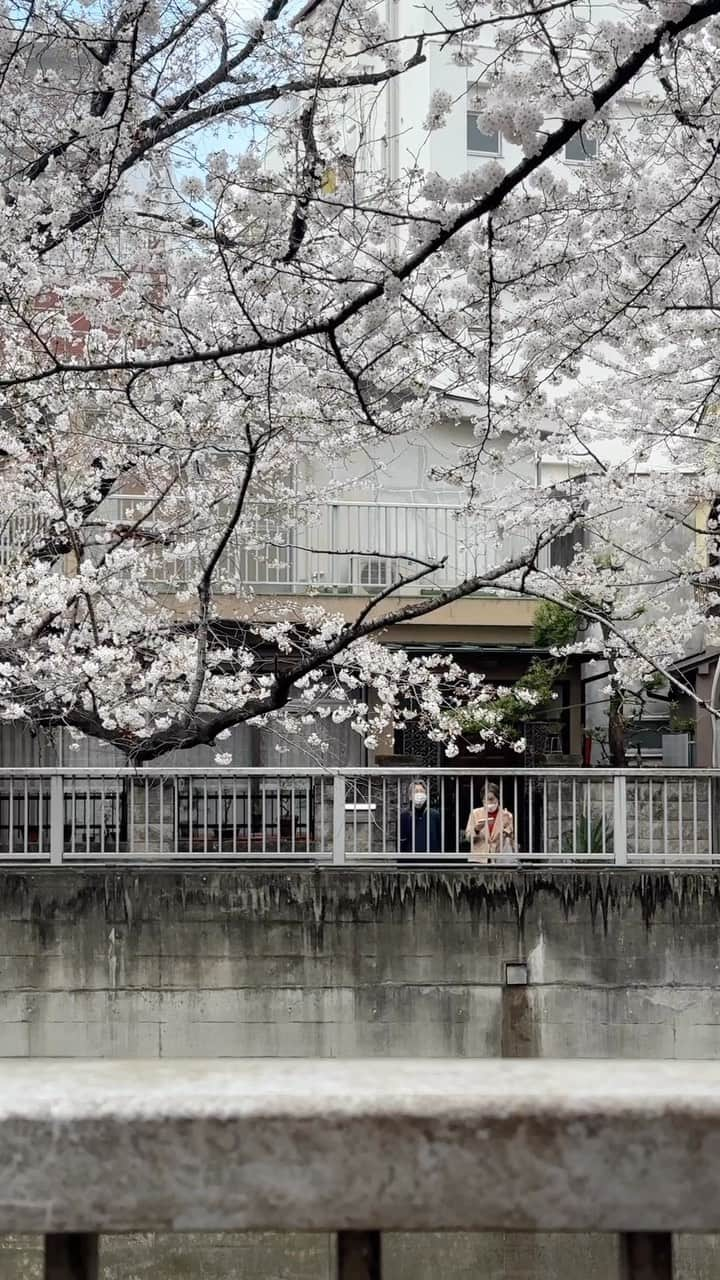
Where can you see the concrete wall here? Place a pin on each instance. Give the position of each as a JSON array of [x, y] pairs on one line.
[[225, 963], [341, 963]]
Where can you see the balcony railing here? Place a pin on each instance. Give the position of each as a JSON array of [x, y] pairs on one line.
[[350, 548], [449, 1145], [638, 817]]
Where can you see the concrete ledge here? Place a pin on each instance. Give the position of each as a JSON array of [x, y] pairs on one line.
[[311, 1145]]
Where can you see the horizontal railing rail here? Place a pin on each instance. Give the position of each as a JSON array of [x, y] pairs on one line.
[[624, 1147], [637, 817]]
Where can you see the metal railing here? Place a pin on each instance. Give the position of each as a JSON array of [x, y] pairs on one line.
[[624, 1147], [635, 817], [353, 548]]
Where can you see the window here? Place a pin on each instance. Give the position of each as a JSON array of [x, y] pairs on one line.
[[478, 142], [580, 148]]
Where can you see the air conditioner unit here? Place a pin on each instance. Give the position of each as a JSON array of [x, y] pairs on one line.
[[676, 750], [375, 571]]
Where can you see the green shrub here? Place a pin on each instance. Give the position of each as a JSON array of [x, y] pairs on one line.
[[555, 625], [580, 844]]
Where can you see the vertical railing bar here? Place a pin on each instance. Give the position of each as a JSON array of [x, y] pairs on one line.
[[559, 822], [220, 824], [292, 815], [262, 809], [588, 822], [665, 820], [458, 827], [102, 817], [158, 782], [146, 804], [263, 798], [574, 819], [308, 785], [131, 816], [71, 788], [443, 840], [384, 832], [636, 801], [88, 815], [278, 813], [323, 802], [206, 800], [247, 795], [11, 819], [339, 819], [681, 849], [42, 807], [651, 820], [370, 811], [176, 794], [710, 832], [516, 816], [191, 802], [545, 817], [695, 819], [428, 806], [620, 819]]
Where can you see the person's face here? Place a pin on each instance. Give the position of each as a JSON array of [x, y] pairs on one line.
[[419, 796], [491, 802]]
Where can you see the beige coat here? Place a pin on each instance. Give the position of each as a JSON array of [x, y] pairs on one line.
[[484, 845]]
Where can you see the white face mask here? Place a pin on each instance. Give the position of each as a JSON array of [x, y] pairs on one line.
[[419, 798], [491, 804]]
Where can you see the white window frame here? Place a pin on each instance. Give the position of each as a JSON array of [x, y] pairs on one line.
[[473, 107]]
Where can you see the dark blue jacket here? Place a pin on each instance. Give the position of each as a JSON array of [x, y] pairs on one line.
[[427, 831]]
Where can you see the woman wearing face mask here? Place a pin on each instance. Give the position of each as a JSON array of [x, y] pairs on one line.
[[420, 828], [490, 829]]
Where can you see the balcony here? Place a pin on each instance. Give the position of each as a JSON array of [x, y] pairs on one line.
[[350, 548], [341, 817], [445, 1145]]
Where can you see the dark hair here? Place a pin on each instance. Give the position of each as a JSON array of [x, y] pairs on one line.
[[491, 789]]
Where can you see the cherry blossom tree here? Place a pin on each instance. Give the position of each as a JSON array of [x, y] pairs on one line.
[[203, 293]]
